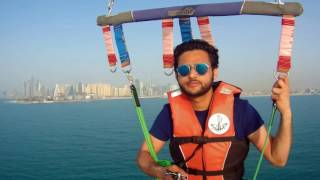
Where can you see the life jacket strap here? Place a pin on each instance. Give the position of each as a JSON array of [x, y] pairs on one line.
[[213, 173], [202, 139]]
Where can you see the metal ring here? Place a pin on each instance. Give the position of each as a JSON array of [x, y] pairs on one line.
[[168, 71], [276, 74], [113, 69], [127, 69]]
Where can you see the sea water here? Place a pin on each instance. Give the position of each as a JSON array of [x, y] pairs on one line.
[[100, 140]]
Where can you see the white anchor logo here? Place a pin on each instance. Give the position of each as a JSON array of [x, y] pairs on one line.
[[219, 123]]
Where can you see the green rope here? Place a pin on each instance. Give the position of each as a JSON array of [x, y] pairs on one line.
[[144, 128], [146, 133], [274, 108]]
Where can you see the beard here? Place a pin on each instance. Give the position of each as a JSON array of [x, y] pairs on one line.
[[205, 87]]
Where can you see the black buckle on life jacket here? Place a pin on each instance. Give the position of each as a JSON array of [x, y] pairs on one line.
[[199, 140]]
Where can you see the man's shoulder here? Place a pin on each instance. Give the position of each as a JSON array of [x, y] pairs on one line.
[[242, 106], [166, 109], [167, 105], [238, 101]]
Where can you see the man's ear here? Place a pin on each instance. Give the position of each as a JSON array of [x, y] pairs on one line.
[[215, 73]]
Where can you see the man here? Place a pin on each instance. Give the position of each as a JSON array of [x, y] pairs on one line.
[[208, 125]]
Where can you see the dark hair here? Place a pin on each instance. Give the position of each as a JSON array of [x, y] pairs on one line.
[[195, 44]]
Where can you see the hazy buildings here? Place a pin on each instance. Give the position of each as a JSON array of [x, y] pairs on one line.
[[34, 90]]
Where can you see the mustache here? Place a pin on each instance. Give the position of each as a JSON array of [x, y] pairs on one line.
[[193, 81]]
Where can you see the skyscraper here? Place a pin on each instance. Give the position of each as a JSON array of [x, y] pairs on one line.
[[58, 92], [29, 88]]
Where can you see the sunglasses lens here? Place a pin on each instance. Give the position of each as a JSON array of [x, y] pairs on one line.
[[183, 70], [202, 69]]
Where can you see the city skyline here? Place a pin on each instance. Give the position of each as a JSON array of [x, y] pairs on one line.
[[34, 90], [59, 41]]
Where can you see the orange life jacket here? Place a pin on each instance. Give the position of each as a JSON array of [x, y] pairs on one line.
[[214, 152]]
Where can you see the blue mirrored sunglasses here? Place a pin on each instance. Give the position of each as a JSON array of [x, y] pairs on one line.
[[185, 69]]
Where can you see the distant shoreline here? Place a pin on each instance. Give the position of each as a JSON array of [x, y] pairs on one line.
[[265, 95], [117, 98], [74, 101]]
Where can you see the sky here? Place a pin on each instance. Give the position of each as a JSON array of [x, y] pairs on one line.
[[58, 42]]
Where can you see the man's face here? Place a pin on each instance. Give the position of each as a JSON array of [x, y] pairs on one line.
[[195, 84]]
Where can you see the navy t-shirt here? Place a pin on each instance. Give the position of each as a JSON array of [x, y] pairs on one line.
[[246, 120]]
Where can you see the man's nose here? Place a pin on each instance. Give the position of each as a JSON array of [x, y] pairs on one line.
[[193, 73]]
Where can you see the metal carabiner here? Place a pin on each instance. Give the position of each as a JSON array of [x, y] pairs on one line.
[[168, 71], [176, 176], [113, 69], [110, 4], [277, 74], [129, 77]]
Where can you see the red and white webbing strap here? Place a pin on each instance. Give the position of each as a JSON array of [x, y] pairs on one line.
[[205, 30], [112, 59], [167, 44], [286, 43]]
